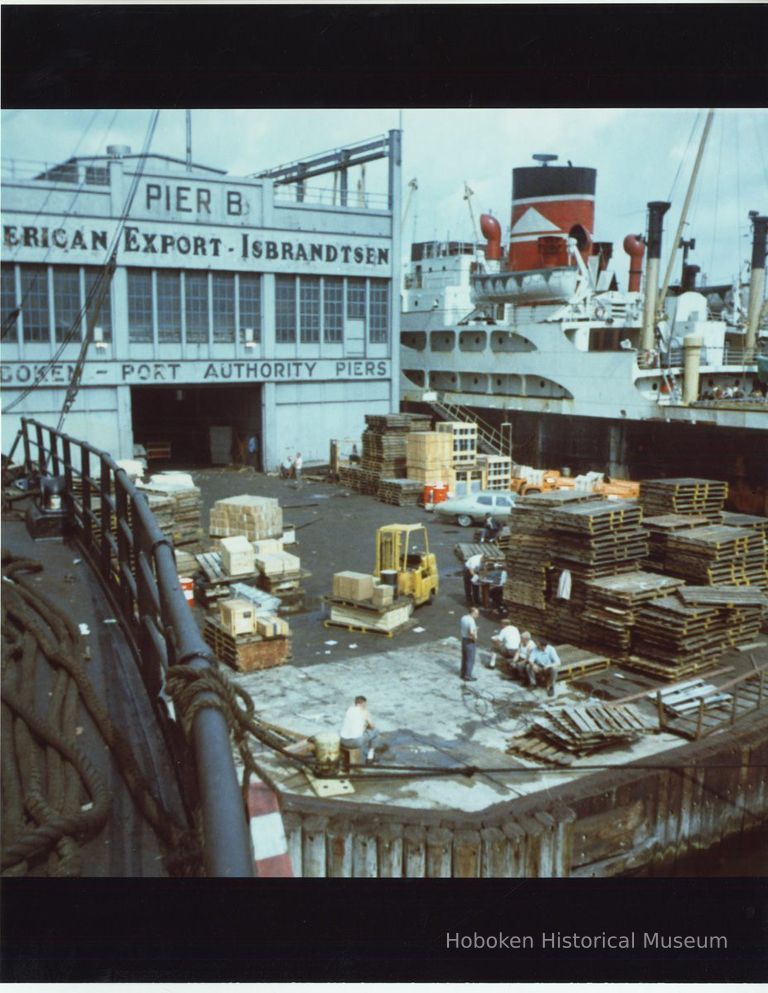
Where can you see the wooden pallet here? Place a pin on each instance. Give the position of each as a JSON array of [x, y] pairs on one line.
[[362, 629], [246, 653], [538, 750]]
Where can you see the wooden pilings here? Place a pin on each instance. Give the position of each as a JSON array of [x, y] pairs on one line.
[[612, 822]]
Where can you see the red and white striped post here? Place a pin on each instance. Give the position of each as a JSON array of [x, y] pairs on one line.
[[270, 848]]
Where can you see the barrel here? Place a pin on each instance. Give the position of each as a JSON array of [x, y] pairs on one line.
[[440, 493], [188, 588], [327, 751], [389, 577]]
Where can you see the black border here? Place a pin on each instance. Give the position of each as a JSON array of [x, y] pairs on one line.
[[68, 56], [374, 930], [335, 55]]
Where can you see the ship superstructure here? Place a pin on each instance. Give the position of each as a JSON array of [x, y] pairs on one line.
[[551, 333]]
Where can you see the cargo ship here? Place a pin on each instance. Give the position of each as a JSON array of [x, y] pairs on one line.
[[538, 342]]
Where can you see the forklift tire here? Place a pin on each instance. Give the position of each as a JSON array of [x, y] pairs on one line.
[[464, 520]]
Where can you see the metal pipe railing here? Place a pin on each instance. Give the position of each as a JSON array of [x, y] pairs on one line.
[[136, 563]]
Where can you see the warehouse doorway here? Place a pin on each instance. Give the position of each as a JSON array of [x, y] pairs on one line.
[[198, 425]]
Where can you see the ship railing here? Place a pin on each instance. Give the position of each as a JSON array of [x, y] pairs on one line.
[[352, 200], [135, 560], [737, 355]]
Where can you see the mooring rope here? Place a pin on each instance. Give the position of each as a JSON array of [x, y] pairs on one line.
[[44, 769]]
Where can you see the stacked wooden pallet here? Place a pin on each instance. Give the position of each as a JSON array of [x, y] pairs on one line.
[[256, 517], [364, 615], [718, 555], [429, 456], [576, 662], [586, 728], [384, 443], [671, 637], [349, 475], [733, 520], [600, 533], [684, 496], [528, 555], [661, 527], [185, 527], [573, 732], [491, 552], [246, 653], [400, 492], [613, 604]]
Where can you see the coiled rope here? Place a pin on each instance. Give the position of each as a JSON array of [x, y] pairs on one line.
[[44, 769]]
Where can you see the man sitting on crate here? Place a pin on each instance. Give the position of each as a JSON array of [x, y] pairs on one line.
[[358, 731], [506, 644], [544, 665]]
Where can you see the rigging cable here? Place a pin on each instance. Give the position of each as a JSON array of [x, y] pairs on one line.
[[14, 314], [98, 291]]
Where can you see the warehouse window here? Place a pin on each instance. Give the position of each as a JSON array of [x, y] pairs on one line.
[[34, 303], [223, 297], [8, 305], [285, 309], [250, 305], [139, 306], [93, 288], [196, 306], [333, 309], [356, 299], [66, 303], [379, 318], [309, 296], [168, 306]]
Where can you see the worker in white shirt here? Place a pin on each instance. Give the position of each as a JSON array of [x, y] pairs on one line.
[[472, 578], [506, 642], [469, 644], [298, 462], [357, 730], [543, 666]]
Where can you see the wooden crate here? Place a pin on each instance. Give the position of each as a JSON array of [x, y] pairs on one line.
[[353, 585], [498, 471], [237, 616], [464, 440]]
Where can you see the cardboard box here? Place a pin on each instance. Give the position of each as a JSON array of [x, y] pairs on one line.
[[383, 595], [270, 626], [278, 564], [237, 558], [267, 546], [237, 616], [353, 585]]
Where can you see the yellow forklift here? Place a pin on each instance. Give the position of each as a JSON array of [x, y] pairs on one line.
[[404, 550]]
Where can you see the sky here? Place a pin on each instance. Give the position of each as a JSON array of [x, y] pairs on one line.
[[640, 155]]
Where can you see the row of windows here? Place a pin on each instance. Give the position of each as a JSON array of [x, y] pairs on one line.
[[38, 302], [192, 306], [314, 307], [195, 307]]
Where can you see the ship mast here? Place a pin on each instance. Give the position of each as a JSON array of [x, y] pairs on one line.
[[683, 215]]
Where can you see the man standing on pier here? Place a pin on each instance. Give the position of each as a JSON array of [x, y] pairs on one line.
[[469, 644]]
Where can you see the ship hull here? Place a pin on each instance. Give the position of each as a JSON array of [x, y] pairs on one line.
[[642, 449]]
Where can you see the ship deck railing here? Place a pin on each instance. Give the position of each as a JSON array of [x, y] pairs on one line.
[[135, 561]]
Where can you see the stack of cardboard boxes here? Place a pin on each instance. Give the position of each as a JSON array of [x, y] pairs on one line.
[[360, 602]]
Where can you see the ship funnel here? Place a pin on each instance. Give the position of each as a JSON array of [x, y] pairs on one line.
[[634, 246], [689, 277], [550, 204], [756, 279], [656, 211], [491, 231]]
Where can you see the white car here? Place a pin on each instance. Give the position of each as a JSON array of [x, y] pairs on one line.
[[471, 509]]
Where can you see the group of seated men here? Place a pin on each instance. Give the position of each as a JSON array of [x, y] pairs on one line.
[[533, 661]]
